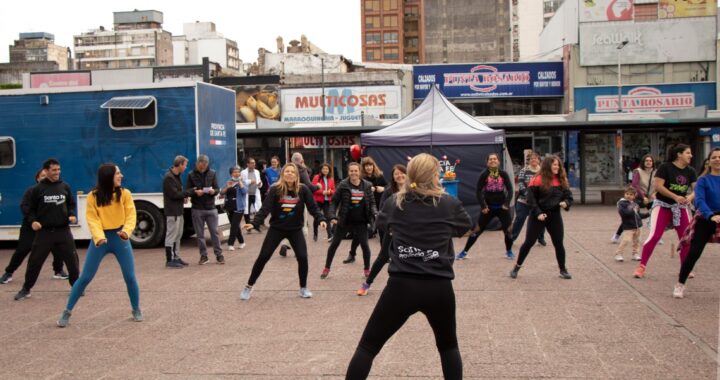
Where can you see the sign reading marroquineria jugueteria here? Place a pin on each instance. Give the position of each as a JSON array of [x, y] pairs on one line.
[[490, 80], [647, 98]]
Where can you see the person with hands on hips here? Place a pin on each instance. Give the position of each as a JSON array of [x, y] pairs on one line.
[[111, 219]]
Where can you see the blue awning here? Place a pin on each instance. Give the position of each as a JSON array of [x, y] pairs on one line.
[[129, 102]]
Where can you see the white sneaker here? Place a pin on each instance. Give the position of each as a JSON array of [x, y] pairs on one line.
[[242, 245], [661, 242], [305, 293], [615, 239], [678, 291], [636, 257], [619, 258], [231, 248], [245, 295]]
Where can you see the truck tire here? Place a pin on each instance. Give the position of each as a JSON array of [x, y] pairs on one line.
[[150, 227]]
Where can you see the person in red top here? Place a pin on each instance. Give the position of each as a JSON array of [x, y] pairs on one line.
[[547, 194], [322, 196]]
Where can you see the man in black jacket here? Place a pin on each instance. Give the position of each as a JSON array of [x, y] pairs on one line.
[[174, 197], [51, 210], [203, 187]]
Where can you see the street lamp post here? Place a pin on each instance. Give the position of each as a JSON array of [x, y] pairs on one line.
[[619, 134], [322, 101]]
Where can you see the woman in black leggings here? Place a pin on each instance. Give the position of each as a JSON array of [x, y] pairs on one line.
[[399, 176], [547, 194], [285, 202], [494, 193], [423, 219]]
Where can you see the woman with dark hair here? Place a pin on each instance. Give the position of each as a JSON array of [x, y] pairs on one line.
[[285, 203], [705, 167], [323, 196], [355, 207], [548, 193], [704, 227], [234, 192], [111, 219], [399, 176], [371, 173], [674, 182], [262, 166], [494, 192], [521, 208], [423, 220], [644, 185]]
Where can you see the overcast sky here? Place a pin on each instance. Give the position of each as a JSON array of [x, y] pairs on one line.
[[332, 25]]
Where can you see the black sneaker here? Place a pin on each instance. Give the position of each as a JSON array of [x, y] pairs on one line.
[[181, 261], [7, 277], [220, 259], [173, 264], [314, 237], [22, 294], [283, 250], [61, 275], [542, 242], [565, 275], [350, 259], [203, 260], [514, 272]]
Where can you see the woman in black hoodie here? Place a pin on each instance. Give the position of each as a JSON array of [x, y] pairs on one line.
[[547, 194], [355, 205], [285, 203], [423, 219]]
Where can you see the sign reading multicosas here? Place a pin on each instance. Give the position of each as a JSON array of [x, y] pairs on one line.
[[490, 80], [341, 103]]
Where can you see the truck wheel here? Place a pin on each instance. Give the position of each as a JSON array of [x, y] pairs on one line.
[[150, 227]]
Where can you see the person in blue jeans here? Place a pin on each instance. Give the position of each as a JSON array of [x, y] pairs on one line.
[[522, 210], [111, 219]]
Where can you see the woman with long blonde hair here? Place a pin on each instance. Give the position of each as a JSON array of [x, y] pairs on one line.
[[285, 203], [423, 220]]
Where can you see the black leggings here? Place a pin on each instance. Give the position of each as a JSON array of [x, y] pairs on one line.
[[360, 231], [355, 242], [382, 258], [505, 221], [24, 246], [272, 240], [401, 298], [235, 230], [554, 225], [704, 229], [325, 207]]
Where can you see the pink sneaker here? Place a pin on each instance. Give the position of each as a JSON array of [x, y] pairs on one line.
[[639, 271], [325, 273]]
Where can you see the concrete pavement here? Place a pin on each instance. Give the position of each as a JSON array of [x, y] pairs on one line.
[[601, 324]]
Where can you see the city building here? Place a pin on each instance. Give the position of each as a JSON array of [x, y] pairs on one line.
[[526, 23], [392, 31], [549, 8], [635, 57], [34, 52], [200, 39], [137, 40]]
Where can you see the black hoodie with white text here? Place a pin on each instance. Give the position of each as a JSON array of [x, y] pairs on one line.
[[51, 204]]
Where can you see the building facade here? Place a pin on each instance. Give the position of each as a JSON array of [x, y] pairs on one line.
[[137, 40], [392, 31], [200, 39], [39, 47]]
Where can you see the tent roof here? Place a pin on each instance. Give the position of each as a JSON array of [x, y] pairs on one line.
[[435, 121]]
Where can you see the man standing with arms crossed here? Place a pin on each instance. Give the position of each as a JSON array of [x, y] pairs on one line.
[[52, 209], [173, 199]]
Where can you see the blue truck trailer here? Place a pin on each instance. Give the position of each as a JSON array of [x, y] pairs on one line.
[[140, 128]]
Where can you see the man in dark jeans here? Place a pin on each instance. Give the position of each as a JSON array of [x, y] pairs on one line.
[[50, 212], [27, 235], [202, 184]]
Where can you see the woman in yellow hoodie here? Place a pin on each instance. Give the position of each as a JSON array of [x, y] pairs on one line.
[[111, 219]]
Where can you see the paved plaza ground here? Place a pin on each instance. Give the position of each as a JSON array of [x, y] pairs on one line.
[[601, 324]]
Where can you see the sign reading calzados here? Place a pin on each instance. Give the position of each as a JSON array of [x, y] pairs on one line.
[[490, 80], [341, 103]]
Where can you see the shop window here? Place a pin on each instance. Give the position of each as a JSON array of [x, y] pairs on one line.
[[390, 37], [372, 38], [132, 112], [390, 21], [372, 22], [7, 152]]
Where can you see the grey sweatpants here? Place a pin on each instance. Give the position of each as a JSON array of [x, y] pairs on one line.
[[174, 226], [209, 217]]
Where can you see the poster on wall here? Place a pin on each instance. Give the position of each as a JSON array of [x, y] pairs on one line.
[[687, 8], [490, 80], [303, 105], [606, 10], [647, 98], [53, 80], [254, 101]]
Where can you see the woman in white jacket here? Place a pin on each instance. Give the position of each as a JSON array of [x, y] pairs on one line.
[[252, 181]]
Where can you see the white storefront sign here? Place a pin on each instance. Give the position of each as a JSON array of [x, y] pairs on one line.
[[675, 40], [341, 103]]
